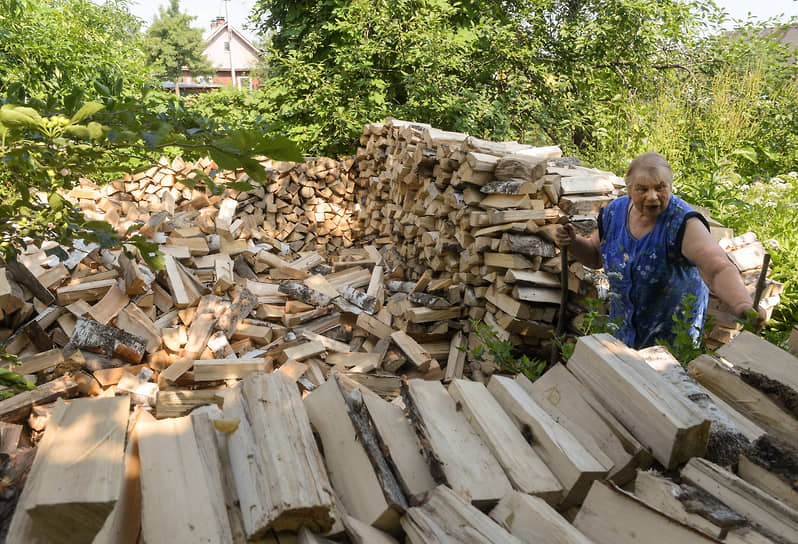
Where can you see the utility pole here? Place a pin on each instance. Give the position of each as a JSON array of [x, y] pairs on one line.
[[230, 42]]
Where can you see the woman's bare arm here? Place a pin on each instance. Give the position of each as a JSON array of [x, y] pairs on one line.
[[718, 272]]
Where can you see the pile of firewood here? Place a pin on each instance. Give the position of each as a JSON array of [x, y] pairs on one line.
[[201, 386], [481, 214], [307, 206]]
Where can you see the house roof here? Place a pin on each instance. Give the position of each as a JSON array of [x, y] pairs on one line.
[[223, 27]]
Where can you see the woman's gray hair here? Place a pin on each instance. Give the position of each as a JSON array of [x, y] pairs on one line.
[[650, 165]]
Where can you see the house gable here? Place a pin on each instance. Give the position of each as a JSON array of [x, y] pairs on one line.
[[245, 54]]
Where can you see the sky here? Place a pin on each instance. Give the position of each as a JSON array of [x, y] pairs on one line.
[[204, 10], [240, 9]]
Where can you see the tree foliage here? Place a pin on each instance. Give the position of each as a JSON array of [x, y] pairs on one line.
[[51, 136], [535, 70], [171, 44], [43, 155], [63, 52]]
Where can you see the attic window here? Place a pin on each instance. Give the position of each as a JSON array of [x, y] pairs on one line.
[[227, 46]]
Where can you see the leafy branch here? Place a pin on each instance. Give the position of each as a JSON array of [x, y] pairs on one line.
[[500, 352]]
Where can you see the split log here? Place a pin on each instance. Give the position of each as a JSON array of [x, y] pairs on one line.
[[757, 506], [281, 484], [447, 517], [243, 304], [456, 359], [656, 413], [363, 487], [457, 455], [209, 370], [418, 358], [87, 292], [72, 505], [17, 408], [772, 466], [96, 337], [124, 522], [519, 166], [687, 504], [400, 445], [180, 403], [531, 519], [612, 516], [363, 533], [725, 439], [173, 453], [111, 304], [570, 462], [574, 407], [764, 366], [729, 386], [23, 275], [525, 469], [359, 298], [303, 293]]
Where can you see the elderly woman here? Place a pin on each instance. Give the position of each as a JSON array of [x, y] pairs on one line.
[[656, 250]]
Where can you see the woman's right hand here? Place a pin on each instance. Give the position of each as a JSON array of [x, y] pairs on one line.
[[564, 235]]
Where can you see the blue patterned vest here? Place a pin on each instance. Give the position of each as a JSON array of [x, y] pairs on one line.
[[649, 276]]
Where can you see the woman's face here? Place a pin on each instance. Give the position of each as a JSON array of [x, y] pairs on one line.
[[649, 196]]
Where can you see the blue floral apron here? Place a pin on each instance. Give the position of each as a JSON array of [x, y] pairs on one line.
[[649, 277]]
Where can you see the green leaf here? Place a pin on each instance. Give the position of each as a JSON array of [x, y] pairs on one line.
[[149, 252], [57, 251], [279, 148], [78, 131], [240, 185], [19, 116], [87, 110], [747, 153]]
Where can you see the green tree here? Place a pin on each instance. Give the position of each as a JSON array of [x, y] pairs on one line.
[[172, 44], [62, 52], [535, 70]]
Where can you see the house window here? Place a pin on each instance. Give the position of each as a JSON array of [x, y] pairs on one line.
[[227, 46], [245, 82]]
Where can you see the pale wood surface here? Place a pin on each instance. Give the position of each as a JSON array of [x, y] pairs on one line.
[[778, 485], [401, 446], [17, 408], [467, 463], [755, 354], [523, 466], [350, 469], [751, 402], [725, 439], [416, 355], [531, 519], [80, 478], [663, 494], [571, 463], [744, 498], [207, 370], [651, 408], [447, 517], [574, 407], [611, 516], [281, 484], [180, 402], [173, 454], [124, 522], [363, 533]]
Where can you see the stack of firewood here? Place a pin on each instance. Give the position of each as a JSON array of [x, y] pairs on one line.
[[480, 214], [416, 460], [307, 206], [207, 381]]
